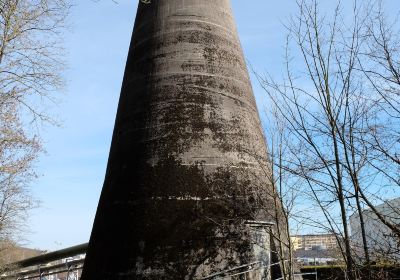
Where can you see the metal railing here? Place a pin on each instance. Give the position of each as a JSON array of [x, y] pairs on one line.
[[57, 262], [301, 274], [45, 265]]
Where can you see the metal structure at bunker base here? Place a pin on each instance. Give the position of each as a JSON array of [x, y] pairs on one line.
[[68, 261], [65, 261], [188, 162]]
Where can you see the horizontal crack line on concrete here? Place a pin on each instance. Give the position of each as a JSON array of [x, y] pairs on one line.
[[192, 73], [234, 43], [224, 165], [196, 198], [145, 23], [227, 30]]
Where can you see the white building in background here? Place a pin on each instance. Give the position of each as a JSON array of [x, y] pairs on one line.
[[314, 241], [381, 242], [315, 249]]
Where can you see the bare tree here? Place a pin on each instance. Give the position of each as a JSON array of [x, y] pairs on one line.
[[380, 63], [335, 122], [17, 154], [287, 191], [31, 64]]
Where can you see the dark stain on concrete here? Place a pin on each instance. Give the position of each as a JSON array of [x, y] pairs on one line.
[[184, 170]]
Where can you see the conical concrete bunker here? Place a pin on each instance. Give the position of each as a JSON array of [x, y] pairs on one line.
[[187, 176]]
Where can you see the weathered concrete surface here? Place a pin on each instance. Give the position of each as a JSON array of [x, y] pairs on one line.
[[187, 164]]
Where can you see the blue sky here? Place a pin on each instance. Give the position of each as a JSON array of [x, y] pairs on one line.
[[72, 170]]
